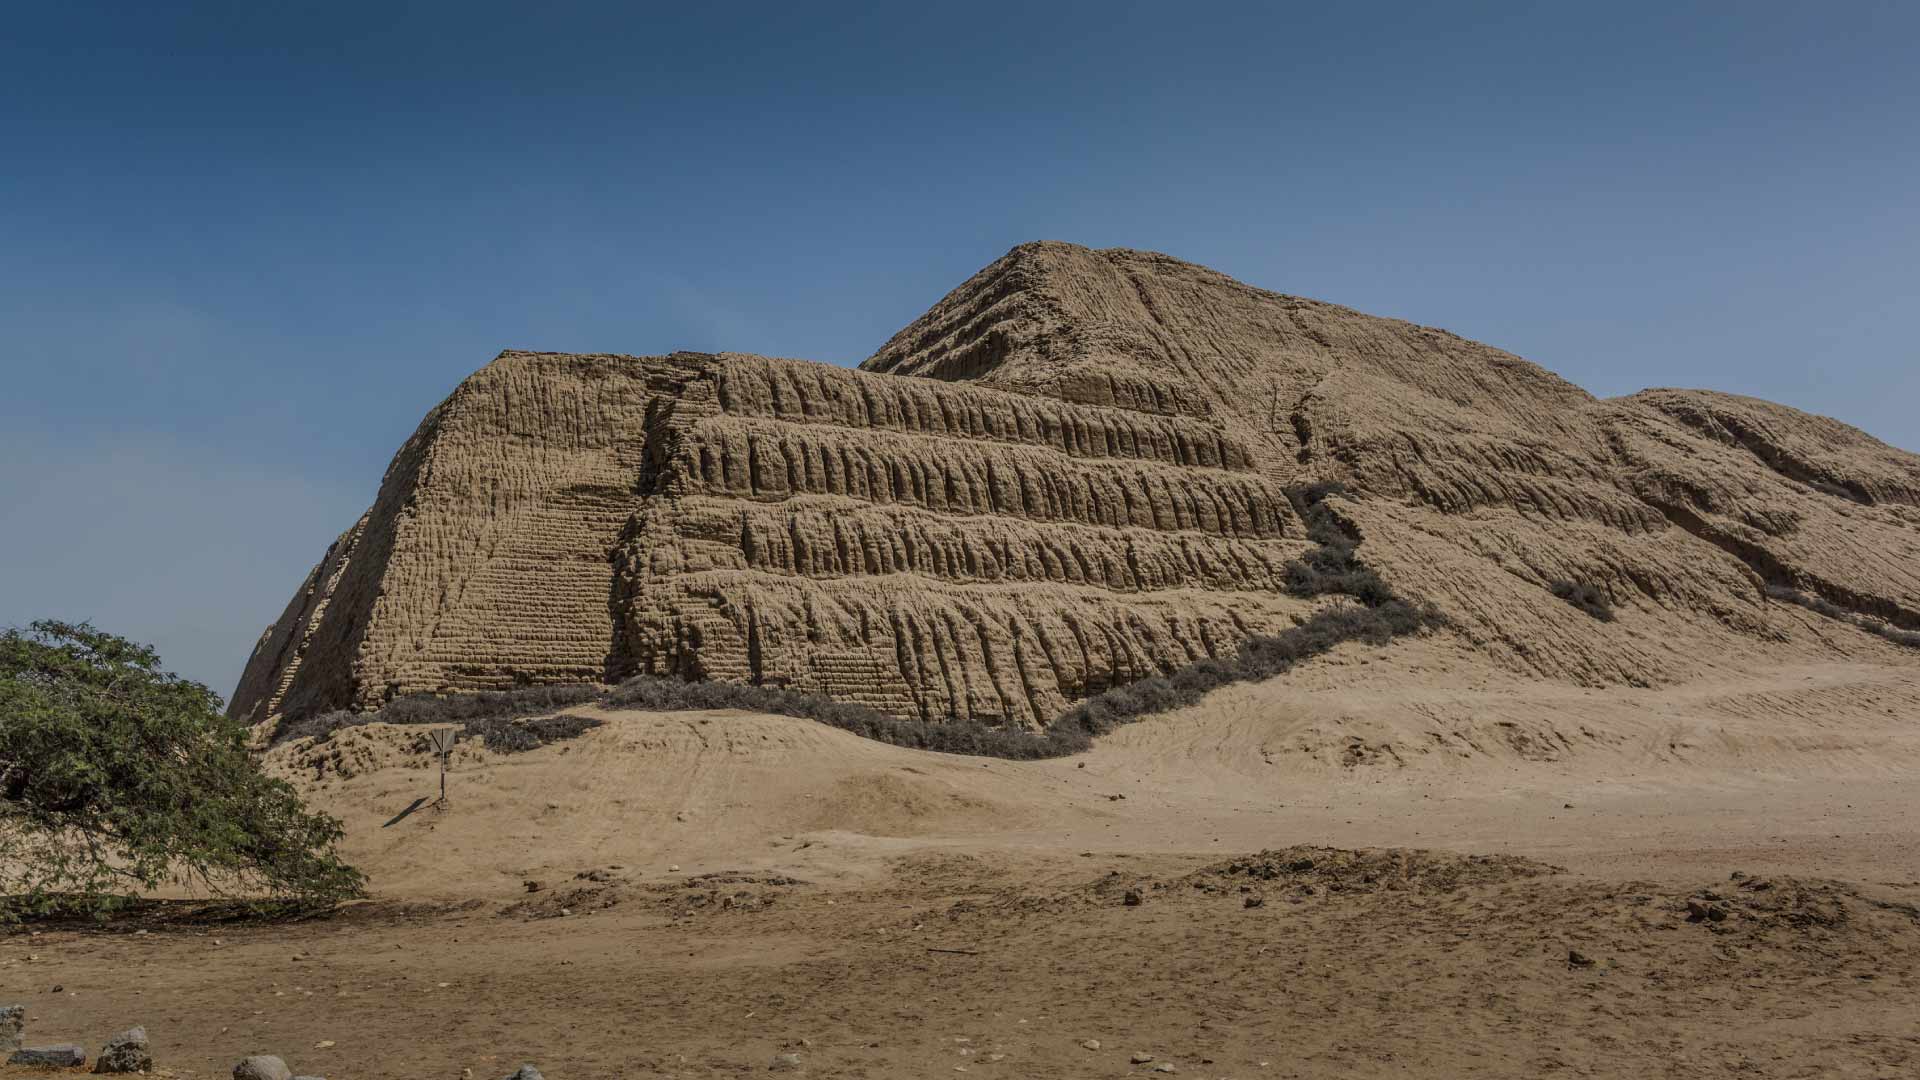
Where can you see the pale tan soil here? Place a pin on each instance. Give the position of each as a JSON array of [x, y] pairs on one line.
[[817, 871]]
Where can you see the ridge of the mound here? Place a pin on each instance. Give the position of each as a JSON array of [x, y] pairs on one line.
[[1491, 479], [1072, 473]]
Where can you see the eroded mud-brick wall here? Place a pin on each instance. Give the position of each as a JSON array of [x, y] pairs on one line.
[[936, 551], [1068, 474], [942, 551]]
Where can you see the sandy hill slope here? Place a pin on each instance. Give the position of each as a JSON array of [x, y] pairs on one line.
[[1072, 472], [1479, 760]]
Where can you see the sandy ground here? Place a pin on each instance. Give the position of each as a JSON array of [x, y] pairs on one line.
[[713, 890]]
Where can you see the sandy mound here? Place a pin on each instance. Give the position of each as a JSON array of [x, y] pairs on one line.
[[1438, 750]]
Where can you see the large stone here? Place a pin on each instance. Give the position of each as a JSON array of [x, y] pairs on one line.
[[262, 1067], [13, 1027], [63, 1056], [126, 1052], [526, 1072]]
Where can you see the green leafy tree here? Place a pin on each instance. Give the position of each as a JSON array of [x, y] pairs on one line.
[[116, 776]]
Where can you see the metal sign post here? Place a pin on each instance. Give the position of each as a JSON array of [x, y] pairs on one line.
[[443, 745]]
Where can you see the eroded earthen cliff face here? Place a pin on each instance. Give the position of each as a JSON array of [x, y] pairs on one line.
[[1483, 477], [932, 550], [1071, 473]]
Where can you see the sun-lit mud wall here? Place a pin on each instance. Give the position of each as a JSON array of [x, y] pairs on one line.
[[1484, 477], [937, 551], [941, 551], [1069, 473]]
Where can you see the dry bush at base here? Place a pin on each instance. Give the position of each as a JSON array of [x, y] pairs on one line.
[[488, 716], [510, 735]]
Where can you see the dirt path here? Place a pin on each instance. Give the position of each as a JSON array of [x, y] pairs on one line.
[[1007, 968]]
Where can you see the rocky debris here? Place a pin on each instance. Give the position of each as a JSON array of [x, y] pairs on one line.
[[1090, 1044], [13, 1027], [526, 1072], [62, 1056], [262, 1067], [1762, 906], [1164, 1067], [126, 1052], [1301, 872], [1706, 909], [561, 902], [1139, 1057]]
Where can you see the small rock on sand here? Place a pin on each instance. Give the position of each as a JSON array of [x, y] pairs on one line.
[[13, 1027], [262, 1067], [784, 1063], [1704, 910], [526, 1072], [126, 1052]]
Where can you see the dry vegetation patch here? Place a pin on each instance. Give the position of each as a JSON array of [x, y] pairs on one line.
[[1368, 870]]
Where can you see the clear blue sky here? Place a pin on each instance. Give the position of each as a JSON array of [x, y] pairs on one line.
[[243, 247]]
